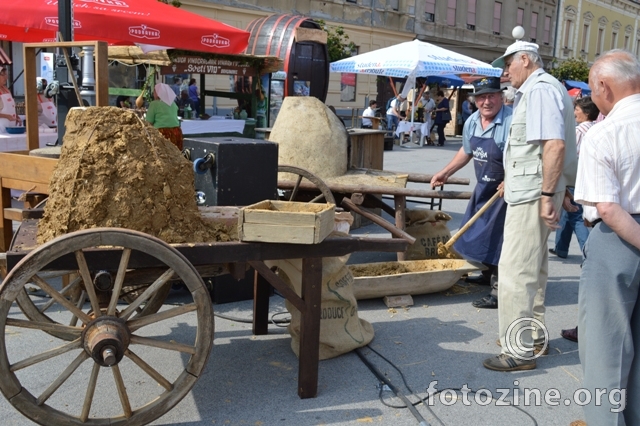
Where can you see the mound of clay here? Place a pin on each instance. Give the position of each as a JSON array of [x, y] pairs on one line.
[[116, 170], [309, 135]]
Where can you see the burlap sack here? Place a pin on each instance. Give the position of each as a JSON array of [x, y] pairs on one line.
[[311, 136], [428, 227], [341, 330]]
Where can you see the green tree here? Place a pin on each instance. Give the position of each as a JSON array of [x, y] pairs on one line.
[[571, 69], [338, 44], [175, 3]]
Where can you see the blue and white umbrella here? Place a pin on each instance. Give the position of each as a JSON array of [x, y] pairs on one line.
[[447, 80], [414, 59]]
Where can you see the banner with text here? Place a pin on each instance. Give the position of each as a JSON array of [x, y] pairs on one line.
[[197, 65]]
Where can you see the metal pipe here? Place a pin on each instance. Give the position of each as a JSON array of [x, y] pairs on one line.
[[88, 75]]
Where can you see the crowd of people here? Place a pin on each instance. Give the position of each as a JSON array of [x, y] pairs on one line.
[[556, 164], [525, 145]]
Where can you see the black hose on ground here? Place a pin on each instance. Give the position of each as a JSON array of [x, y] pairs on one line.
[[421, 420]]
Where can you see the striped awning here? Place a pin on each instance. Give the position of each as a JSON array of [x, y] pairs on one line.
[[4, 58]]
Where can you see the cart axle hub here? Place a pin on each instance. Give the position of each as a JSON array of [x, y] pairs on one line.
[[106, 339]]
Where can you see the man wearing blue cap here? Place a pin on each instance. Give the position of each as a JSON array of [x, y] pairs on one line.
[[483, 139], [540, 162]]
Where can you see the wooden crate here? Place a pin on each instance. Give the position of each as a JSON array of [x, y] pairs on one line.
[[286, 222]]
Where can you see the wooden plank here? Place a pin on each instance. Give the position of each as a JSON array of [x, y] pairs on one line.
[[288, 206], [396, 232], [6, 225], [3, 265], [24, 185], [208, 253], [278, 233], [48, 45], [101, 61], [310, 34], [261, 290], [270, 217], [279, 285], [400, 202], [238, 270], [388, 190], [13, 214], [31, 96], [27, 168], [426, 178], [310, 328], [22, 172], [324, 225], [32, 214]]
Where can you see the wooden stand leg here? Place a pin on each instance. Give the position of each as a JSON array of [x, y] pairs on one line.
[[6, 226], [400, 202], [261, 289], [310, 328], [3, 265]]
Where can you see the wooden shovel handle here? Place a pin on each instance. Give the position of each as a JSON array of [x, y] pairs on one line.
[[471, 221]]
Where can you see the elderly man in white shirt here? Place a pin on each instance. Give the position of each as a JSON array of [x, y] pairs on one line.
[[609, 179], [540, 162]]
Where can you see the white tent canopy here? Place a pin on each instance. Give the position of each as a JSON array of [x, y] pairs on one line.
[[414, 59]]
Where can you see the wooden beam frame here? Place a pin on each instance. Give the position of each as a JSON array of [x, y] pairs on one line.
[[22, 172], [30, 75]]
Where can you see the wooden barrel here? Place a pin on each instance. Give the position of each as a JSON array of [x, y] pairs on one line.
[[306, 63]]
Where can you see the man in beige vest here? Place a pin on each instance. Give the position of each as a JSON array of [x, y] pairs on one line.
[[540, 162]]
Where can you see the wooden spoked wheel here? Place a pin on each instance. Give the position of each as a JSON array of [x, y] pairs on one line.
[[114, 366], [74, 291], [325, 192]]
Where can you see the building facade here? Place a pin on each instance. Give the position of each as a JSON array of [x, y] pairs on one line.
[[477, 28], [587, 28]]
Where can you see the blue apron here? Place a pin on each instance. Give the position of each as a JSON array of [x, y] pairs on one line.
[[482, 242]]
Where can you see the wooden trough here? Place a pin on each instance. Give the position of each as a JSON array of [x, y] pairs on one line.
[[376, 280]]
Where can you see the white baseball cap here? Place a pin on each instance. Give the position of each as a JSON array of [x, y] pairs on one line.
[[518, 46]]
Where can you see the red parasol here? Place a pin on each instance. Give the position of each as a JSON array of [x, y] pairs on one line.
[[121, 22], [575, 93]]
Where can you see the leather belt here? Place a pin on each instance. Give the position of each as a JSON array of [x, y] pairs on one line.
[[595, 222], [591, 224]]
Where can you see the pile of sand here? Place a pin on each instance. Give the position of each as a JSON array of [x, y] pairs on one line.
[[116, 170]]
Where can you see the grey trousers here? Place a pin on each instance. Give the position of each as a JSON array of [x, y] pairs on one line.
[[609, 328]]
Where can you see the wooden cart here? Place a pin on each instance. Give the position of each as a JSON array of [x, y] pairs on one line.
[[97, 322]]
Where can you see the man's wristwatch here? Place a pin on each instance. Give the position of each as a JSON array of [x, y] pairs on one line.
[[547, 194]]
